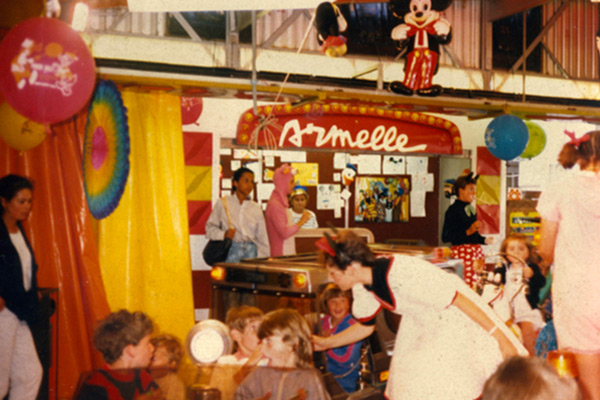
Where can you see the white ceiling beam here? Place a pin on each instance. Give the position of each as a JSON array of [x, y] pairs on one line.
[[218, 5]]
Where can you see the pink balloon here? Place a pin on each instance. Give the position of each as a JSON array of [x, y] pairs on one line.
[[191, 108], [47, 72]]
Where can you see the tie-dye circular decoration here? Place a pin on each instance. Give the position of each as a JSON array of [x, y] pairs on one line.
[[106, 150]]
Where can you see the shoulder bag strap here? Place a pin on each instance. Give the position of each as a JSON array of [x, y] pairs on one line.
[[227, 212]]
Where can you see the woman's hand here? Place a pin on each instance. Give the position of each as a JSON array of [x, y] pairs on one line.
[[527, 273], [230, 233], [473, 228], [506, 347]]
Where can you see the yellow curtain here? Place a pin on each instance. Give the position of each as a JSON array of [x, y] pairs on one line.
[[144, 245]]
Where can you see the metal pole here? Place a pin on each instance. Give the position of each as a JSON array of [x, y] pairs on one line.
[[254, 75]]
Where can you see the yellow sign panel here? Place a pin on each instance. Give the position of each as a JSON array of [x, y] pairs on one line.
[[526, 223], [308, 174]]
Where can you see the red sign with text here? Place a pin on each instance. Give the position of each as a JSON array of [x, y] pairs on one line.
[[348, 127]]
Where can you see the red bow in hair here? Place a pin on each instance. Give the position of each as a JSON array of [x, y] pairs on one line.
[[576, 141]]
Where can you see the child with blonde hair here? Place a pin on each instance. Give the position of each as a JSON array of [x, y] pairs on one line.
[[529, 378], [522, 280], [285, 343], [243, 323], [168, 353]]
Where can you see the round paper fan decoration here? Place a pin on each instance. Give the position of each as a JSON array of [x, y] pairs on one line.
[[106, 150]]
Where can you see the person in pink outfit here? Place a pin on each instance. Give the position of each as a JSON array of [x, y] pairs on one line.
[[279, 227], [570, 238]]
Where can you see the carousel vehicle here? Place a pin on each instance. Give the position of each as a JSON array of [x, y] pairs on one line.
[[296, 281]]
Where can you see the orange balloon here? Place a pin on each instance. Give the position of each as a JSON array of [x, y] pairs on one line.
[[19, 132]]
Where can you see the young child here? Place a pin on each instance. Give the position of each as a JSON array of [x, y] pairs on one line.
[[243, 323], [296, 212], [285, 337], [168, 353], [123, 338], [522, 284], [298, 201], [343, 362], [529, 378], [276, 217]]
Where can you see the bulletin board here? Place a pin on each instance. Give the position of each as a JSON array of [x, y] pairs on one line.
[[421, 223]]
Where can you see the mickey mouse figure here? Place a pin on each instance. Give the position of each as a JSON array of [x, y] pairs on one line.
[[421, 33]]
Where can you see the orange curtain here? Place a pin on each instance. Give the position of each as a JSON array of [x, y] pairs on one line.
[[61, 232]]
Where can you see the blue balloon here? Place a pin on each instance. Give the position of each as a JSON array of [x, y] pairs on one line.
[[506, 137]]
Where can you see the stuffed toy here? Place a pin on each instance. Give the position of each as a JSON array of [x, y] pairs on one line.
[[421, 34], [329, 22]]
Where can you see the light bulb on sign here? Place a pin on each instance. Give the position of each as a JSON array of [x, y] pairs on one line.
[[80, 16]]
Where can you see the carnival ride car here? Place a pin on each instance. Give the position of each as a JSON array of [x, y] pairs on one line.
[[296, 281]]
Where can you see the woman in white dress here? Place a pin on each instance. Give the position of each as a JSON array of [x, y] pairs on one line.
[[449, 341]]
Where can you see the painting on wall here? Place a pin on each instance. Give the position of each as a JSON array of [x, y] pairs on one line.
[[382, 199]]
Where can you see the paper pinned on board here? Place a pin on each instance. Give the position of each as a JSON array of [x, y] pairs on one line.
[[327, 196], [307, 175], [394, 165], [264, 190], [422, 182], [340, 160], [416, 165], [417, 203], [369, 164], [255, 167], [292, 156], [269, 161], [246, 154]]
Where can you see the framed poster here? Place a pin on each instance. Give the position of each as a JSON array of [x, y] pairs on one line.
[[382, 199]]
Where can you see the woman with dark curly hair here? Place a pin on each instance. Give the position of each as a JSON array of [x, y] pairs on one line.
[[449, 341]]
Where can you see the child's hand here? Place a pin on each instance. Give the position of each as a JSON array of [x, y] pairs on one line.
[[248, 366], [304, 218], [254, 358], [489, 240], [516, 261], [319, 343]]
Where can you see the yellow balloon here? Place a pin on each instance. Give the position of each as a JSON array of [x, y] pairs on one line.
[[19, 132]]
